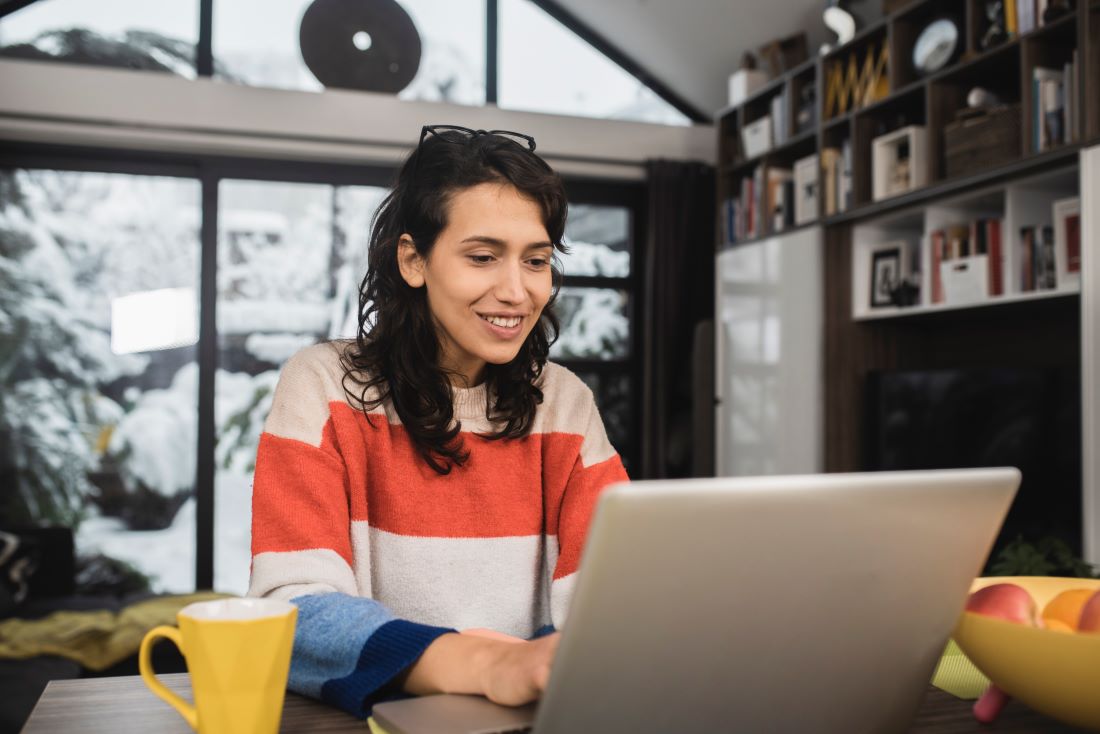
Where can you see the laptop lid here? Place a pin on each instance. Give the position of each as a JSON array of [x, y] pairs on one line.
[[816, 603], [813, 603]]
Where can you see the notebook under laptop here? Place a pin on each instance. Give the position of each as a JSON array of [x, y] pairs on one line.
[[786, 604]]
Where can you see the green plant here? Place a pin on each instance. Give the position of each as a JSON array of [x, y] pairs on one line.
[[1049, 556]]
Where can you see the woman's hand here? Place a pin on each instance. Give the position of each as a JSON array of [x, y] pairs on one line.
[[504, 669], [517, 674]]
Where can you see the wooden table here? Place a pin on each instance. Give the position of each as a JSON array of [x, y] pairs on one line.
[[124, 705]]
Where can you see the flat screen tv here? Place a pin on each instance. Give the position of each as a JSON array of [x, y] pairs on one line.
[[1029, 418]]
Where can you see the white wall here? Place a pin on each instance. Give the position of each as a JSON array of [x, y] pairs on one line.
[[71, 104], [769, 353]]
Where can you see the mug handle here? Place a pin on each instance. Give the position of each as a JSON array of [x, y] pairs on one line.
[[145, 665]]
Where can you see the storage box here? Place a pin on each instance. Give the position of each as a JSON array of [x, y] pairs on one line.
[[981, 139], [744, 82], [756, 137], [965, 279], [899, 162]]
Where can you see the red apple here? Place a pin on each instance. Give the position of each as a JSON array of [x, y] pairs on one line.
[[1090, 615], [1005, 601], [988, 707]]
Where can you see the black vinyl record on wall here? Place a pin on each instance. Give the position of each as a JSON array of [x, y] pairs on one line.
[[371, 45]]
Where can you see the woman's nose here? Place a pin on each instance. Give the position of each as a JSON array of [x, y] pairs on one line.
[[510, 285]]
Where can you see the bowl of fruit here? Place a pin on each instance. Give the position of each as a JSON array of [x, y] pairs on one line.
[[1038, 640]]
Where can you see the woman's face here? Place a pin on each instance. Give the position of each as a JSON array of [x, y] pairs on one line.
[[487, 277]]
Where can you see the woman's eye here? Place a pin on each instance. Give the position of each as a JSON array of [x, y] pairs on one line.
[[481, 259], [539, 262]]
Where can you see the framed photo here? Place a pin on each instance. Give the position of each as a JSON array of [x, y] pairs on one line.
[[1067, 242], [886, 275]]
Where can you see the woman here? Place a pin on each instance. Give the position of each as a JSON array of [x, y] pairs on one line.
[[438, 473]]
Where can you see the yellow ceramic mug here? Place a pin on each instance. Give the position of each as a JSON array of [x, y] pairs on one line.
[[238, 656]]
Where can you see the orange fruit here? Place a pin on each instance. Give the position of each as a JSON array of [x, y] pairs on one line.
[[1057, 625], [1066, 607]]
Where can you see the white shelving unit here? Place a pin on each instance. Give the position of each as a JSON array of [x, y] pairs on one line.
[[1023, 203]]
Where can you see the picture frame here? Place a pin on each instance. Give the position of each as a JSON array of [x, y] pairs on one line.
[[1066, 215], [886, 274], [899, 162]]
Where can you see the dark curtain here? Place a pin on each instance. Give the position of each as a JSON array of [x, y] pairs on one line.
[[677, 398]]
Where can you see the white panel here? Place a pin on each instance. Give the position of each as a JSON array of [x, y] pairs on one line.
[[769, 357], [65, 103], [1090, 350]]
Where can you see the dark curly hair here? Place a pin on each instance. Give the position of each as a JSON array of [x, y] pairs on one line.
[[396, 350]]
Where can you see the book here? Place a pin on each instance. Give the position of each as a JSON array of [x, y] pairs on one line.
[[1045, 274], [1027, 255], [830, 158], [1011, 25], [936, 257], [845, 186], [996, 257], [776, 211]]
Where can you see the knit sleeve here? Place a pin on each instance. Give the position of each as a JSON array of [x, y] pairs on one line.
[[597, 466], [348, 648]]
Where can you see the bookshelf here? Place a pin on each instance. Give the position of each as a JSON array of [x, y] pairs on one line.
[[1015, 185]]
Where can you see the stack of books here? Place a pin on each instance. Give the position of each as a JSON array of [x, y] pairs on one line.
[[1037, 267], [765, 205], [1055, 103], [978, 237]]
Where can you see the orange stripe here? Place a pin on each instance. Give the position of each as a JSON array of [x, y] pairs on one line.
[[577, 508], [510, 487], [298, 498]]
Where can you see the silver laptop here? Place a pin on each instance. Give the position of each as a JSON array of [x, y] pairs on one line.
[[778, 604]]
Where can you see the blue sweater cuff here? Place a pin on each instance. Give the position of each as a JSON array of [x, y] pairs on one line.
[[386, 654]]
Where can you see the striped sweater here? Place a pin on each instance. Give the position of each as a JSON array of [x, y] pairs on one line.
[[382, 555]]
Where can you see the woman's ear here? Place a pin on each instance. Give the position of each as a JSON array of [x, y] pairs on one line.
[[410, 262]]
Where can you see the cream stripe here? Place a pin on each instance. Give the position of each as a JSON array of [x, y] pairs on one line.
[[499, 583], [287, 574]]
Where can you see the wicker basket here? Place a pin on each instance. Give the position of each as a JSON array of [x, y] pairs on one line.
[[982, 139]]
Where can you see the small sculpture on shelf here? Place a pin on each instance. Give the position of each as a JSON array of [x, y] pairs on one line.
[[996, 34], [841, 21]]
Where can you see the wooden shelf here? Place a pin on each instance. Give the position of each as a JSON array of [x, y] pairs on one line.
[[993, 302], [1025, 166]]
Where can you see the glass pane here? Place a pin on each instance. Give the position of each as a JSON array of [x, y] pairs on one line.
[[545, 67], [290, 258], [98, 378], [133, 34], [613, 398], [256, 42], [595, 324], [599, 241]]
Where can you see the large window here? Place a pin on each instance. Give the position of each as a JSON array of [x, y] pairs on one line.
[[290, 257], [541, 65], [598, 304], [98, 375]]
